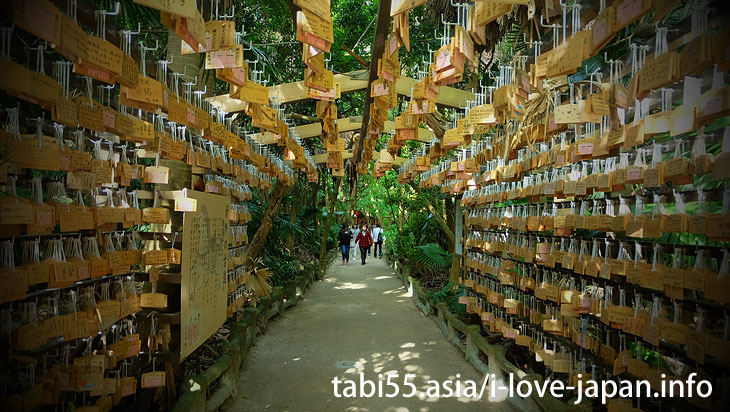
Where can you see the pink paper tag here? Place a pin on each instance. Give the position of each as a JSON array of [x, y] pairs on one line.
[[633, 174], [109, 120], [443, 60], [393, 45], [380, 89], [238, 75]]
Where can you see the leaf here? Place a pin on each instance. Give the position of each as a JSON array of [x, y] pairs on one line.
[[432, 256]]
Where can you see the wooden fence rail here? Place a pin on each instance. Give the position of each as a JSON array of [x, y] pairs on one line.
[[469, 340], [194, 392]]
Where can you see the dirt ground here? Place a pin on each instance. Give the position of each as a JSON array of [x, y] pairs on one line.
[[360, 319]]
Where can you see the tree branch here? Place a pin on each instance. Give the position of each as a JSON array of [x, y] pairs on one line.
[[359, 59], [436, 215]]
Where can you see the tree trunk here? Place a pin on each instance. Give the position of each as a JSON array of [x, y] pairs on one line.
[[456, 259], [439, 219], [449, 208], [325, 229], [292, 219], [441, 222], [353, 195], [396, 218], [272, 210], [315, 194], [455, 269]]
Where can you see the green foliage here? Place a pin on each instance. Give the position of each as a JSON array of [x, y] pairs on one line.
[[432, 257], [452, 300], [283, 268], [449, 294]]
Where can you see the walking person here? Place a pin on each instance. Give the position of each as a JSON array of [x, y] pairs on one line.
[[367, 227], [343, 239], [364, 239], [378, 238], [355, 233]]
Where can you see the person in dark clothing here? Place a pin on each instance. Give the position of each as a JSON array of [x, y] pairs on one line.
[[343, 239], [378, 238], [364, 240]]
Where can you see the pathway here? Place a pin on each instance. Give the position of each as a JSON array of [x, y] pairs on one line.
[[359, 319]]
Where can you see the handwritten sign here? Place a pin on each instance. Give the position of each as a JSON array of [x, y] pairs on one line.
[[319, 7], [203, 270], [316, 26], [227, 57], [251, 92]]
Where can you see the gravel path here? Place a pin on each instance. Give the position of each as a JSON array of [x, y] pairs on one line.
[[359, 319]]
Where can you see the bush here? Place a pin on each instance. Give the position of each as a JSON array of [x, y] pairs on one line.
[[431, 265], [449, 294], [283, 269]]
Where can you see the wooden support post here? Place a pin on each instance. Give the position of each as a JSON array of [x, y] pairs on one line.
[[381, 32]]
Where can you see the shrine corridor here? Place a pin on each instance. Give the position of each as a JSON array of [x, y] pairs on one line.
[[359, 319]]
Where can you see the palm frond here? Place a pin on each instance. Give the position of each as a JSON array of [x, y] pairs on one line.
[[431, 256]]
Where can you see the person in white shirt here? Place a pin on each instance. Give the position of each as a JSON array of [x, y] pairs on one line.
[[378, 238]]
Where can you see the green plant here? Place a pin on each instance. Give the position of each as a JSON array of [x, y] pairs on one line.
[[283, 268], [430, 263], [432, 257], [449, 294], [443, 295]]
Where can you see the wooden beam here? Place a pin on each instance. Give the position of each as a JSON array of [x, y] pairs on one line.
[[345, 124], [381, 33], [448, 96], [322, 157], [304, 117], [292, 92], [350, 82]]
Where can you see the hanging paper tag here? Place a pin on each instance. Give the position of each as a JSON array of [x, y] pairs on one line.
[[152, 379], [153, 300]]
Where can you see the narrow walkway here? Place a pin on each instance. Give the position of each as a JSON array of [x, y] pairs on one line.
[[359, 319]]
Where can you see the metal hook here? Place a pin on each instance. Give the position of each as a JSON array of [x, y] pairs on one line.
[[227, 16], [101, 20], [143, 51], [551, 26], [125, 41]]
